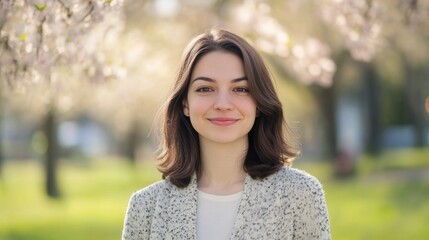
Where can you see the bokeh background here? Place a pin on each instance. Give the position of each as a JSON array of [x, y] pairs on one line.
[[82, 80]]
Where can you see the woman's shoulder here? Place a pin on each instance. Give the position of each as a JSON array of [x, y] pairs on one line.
[[297, 179], [295, 174], [152, 191]]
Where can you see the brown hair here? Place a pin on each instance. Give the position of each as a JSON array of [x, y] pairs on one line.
[[180, 151]]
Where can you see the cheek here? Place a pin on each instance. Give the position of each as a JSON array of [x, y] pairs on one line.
[[250, 107], [198, 106], [197, 113]]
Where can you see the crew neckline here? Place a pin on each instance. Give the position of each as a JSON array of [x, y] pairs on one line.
[[220, 198]]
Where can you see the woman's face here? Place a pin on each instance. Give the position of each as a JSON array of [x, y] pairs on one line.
[[219, 104]]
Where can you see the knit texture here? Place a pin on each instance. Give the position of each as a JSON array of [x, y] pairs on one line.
[[289, 204]]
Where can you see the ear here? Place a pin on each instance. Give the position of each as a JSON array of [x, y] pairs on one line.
[[185, 108]]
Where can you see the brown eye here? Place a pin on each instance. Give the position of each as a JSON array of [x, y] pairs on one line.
[[241, 90], [204, 89]]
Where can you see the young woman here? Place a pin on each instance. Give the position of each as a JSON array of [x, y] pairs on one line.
[[225, 158]]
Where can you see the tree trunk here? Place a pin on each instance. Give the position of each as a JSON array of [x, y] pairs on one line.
[[415, 100], [1, 133], [326, 98], [51, 157], [1, 144], [371, 101], [132, 143]]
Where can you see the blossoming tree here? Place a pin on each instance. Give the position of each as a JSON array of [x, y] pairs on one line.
[[49, 49]]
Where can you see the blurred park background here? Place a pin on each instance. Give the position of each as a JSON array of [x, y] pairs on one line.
[[81, 82]]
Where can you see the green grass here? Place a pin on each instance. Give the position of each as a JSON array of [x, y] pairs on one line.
[[95, 196], [401, 159], [378, 210], [377, 202], [395, 160], [92, 206]]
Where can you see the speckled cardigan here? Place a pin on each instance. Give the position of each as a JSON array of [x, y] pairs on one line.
[[288, 204]]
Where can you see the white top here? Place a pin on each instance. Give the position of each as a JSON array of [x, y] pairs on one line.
[[216, 215]]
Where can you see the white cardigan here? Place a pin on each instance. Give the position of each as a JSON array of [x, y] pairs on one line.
[[288, 204]]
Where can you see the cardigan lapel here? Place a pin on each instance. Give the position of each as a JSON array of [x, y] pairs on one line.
[[182, 212], [246, 203]]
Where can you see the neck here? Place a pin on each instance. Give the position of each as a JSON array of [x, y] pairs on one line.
[[222, 170]]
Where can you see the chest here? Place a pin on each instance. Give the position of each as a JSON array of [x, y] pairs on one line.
[[260, 215]]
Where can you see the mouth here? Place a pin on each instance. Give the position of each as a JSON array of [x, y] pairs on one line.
[[223, 121]]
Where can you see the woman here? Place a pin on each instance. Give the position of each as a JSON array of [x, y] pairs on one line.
[[225, 160]]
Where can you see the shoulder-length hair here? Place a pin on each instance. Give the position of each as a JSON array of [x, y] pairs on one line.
[[268, 150]]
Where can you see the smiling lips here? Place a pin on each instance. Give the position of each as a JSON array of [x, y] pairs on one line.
[[223, 121]]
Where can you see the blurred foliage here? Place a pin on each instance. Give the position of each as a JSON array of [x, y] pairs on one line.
[[123, 66]]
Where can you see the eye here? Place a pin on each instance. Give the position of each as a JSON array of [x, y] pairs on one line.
[[204, 89], [241, 90]]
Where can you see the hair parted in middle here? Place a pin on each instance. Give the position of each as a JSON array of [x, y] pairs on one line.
[[268, 149]]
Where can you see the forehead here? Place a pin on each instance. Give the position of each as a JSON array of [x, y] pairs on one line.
[[219, 64]]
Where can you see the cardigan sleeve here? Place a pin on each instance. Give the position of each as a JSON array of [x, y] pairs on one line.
[[138, 217], [312, 221]]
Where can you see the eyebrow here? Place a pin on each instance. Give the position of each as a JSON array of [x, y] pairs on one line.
[[244, 78]]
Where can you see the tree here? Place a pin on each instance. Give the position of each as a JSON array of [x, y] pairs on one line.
[[37, 38]]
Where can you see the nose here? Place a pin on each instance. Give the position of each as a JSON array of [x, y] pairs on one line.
[[223, 101]]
